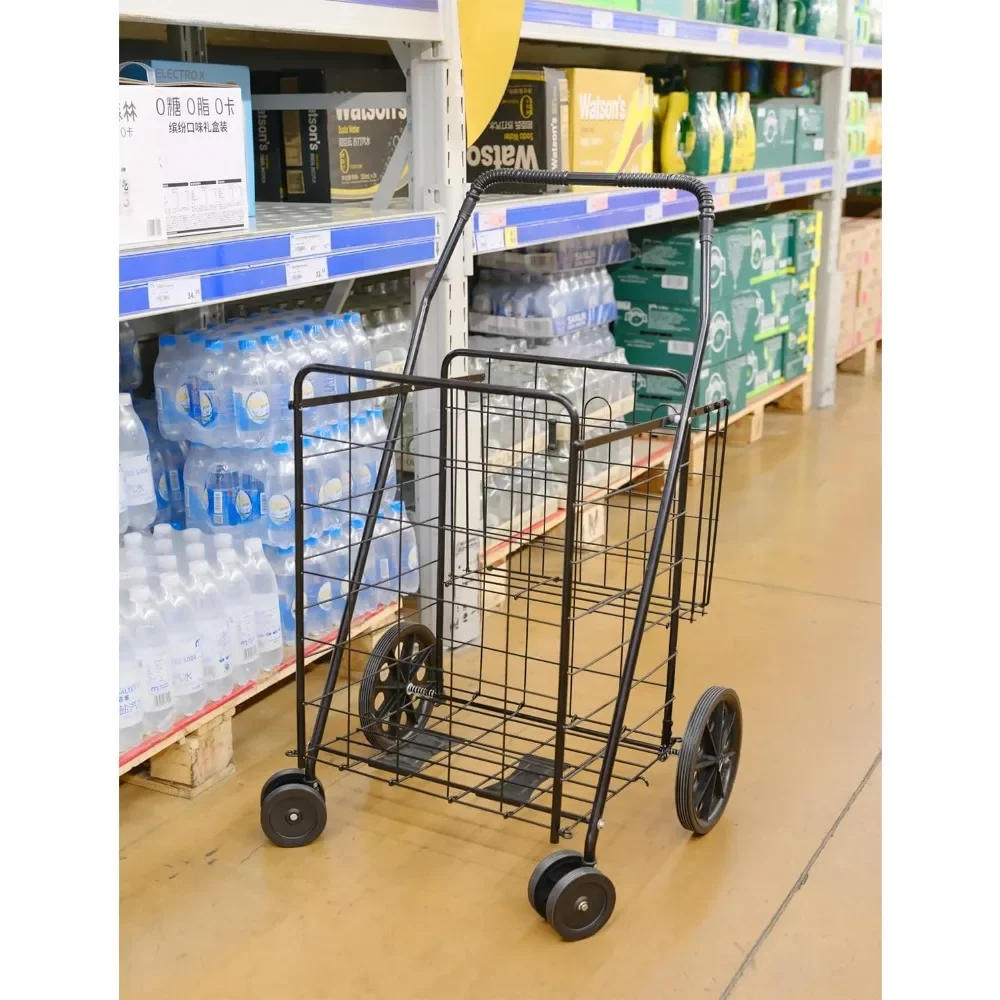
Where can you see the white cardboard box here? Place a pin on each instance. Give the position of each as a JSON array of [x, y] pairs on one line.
[[140, 179], [195, 136]]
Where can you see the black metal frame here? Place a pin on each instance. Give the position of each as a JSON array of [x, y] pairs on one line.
[[672, 511]]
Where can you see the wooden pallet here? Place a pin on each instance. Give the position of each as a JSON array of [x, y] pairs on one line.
[[859, 360], [198, 752], [793, 396]]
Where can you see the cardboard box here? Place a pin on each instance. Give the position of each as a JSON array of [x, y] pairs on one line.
[[670, 272], [610, 121], [268, 151], [775, 122], [196, 133], [529, 129], [663, 336], [187, 73], [780, 297], [140, 180], [765, 366], [342, 154], [746, 310], [724, 380], [673, 8], [809, 134]]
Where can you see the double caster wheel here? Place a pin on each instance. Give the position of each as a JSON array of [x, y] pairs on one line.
[[292, 808], [574, 898]]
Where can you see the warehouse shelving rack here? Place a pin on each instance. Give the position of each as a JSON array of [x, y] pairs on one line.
[[294, 247]]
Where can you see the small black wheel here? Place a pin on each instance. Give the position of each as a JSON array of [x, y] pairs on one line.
[[286, 776], [398, 688], [710, 756], [293, 815], [547, 872], [580, 903]]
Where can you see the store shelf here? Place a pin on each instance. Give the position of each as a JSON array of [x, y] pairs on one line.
[[547, 21], [314, 651], [404, 19], [867, 57], [506, 222], [288, 246], [864, 170]]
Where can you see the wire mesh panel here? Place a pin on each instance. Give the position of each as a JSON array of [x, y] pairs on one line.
[[502, 638]]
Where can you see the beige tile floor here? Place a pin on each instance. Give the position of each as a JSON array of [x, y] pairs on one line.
[[404, 893]]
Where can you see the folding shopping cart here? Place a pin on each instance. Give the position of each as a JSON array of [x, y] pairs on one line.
[[527, 671]]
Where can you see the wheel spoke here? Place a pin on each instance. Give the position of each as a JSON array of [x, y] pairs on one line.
[[728, 721], [704, 761], [705, 795], [712, 731]]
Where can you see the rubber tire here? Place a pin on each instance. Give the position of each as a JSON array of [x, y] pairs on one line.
[[307, 801], [286, 776], [547, 872], [561, 912], [366, 689], [684, 781]]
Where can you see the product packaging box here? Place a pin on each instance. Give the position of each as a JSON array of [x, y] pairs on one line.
[[670, 272], [665, 336], [809, 134], [340, 154], [687, 9], [529, 130], [187, 73], [268, 151], [764, 362], [196, 135], [775, 122], [723, 380], [610, 121], [780, 297], [746, 311]]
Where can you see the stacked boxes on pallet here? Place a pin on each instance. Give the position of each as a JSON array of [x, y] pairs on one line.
[[763, 287], [861, 272]]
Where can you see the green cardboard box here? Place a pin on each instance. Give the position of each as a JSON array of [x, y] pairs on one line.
[[809, 134], [724, 380], [661, 336], [764, 363], [780, 296], [775, 122], [670, 272], [745, 313], [795, 359]]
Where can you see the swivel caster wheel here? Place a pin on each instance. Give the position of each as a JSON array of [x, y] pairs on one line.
[[286, 776], [709, 758], [293, 814], [575, 899]]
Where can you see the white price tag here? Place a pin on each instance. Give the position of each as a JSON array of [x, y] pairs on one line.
[[494, 219], [654, 213], [602, 20], [722, 200], [666, 29], [668, 195], [175, 293], [798, 43], [813, 185], [597, 203], [306, 272], [310, 244], [490, 241], [772, 177], [727, 36]]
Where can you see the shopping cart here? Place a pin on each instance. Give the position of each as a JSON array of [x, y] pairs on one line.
[[519, 675]]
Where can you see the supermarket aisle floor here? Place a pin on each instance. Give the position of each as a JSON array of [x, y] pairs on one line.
[[406, 893]]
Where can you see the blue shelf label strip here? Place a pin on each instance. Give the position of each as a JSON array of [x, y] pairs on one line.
[[273, 277], [870, 176], [431, 6], [169, 262], [573, 16], [873, 53]]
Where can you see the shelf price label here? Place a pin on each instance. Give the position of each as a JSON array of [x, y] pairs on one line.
[[310, 244], [666, 29], [668, 195], [772, 177], [797, 43], [494, 219], [722, 200], [602, 20], [654, 212], [727, 36], [306, 272], [490, 241], [813, 185], [775, 191], [597, 203], [175, 293], [510, 236]]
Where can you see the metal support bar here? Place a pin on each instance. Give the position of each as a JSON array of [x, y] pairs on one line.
[[190, 43]]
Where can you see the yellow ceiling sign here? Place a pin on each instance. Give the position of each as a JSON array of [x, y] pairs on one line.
[[490, 31]]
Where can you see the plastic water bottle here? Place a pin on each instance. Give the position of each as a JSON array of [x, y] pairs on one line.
[[282, 561], [279, 492], [384, 567], [152, 648], [129, 360], [252, 405], [122, 503], [379, 434], [363, 463], [195, 488], [330, 456], [222, 481], [365, 603], [279, 381], [400, 333], [361, 350], [168, 381], [379, 337], [222, 540], [215, 396], [339, 339], [129, 693], [318, 591], [267, 614], [137, 472], [338, 567], [213, 627], [252, 467], [187, 669], [192, 353], [238, 602], [409, 561]]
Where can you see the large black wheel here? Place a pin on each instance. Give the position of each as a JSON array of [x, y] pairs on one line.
[[547, 872], [710, 756], [294, 814], [286, 776], [398, 688], [580, 903]]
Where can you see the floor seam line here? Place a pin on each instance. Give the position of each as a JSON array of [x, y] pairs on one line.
[[799, 882], [798, 590]]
